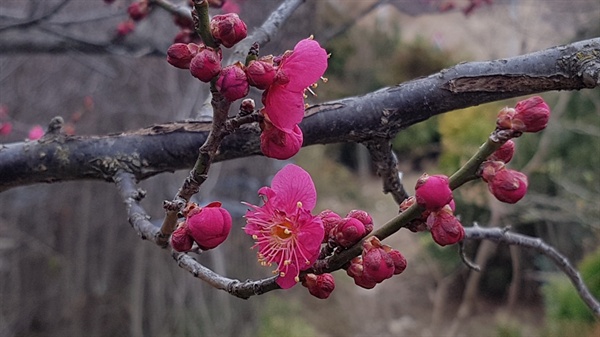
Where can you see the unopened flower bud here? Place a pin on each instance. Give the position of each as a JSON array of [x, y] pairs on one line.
[[364, 217], [489, 168], [445, 227], [261, 72], [209, 226], [377, 263], [320, 286], [181, 240], [35, 133], [228, 29], [280, 144], [533, 114], [399, 261], [433, 192], [330, 221], [356, 271], [508, 186], [181, 54], [5, 128], [206, 64], [232, 82], [138, 10], [505, 152], [125, 28], [348, 232]]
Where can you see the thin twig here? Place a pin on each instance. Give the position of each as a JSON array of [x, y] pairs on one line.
[[500, 235]]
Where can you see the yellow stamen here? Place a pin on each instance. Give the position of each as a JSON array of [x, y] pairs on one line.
[[324, 79], [282, 274], [314, 85], [297, 279], [299, 204], [254, 236], [287, 262], [287, 231]]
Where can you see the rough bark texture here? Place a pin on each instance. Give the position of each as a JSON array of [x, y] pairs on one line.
[[380, 114]]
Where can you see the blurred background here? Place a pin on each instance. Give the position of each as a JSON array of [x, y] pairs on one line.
[[71, 265]]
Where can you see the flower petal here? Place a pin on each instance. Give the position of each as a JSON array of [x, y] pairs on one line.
[[283, 107], [292, 185], [305, 65]]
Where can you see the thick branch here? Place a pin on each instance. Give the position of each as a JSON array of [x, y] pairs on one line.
[[500, 235], [380, 114]]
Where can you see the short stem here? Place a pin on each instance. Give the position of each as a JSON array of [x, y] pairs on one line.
[[202, 22]]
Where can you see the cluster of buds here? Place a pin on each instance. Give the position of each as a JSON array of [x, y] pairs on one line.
[[433, 194], [530, 115], [345, 232], [377, 263], [208, 226], [204, 62], [284, 79], [505, 184]]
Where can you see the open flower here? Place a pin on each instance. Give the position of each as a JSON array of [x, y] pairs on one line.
[[298, 69], [285, 231]]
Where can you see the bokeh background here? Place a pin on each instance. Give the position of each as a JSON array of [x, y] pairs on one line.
[[70, 264]]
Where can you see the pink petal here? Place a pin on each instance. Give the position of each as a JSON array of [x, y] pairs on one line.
[[305, 65], [283, 107], [292, 185], [289, 280]]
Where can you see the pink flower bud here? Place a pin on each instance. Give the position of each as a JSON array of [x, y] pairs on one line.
[[364, 217], [209, 226], [377, 263], [348, 232], [505, 152], [356, 271], [232, 82], [320, 286], [35, 132], [124, 28], [533, 114], [5, 128], [228, 29], [181, 241], [138, 10], [206, 64], [445, 227], [280, 144], [489, 168], [180, 54], [186, 36], [508, 186], [330, 221], [399, 261], [433, 192], [261, 72]]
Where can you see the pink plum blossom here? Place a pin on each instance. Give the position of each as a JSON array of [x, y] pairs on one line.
[[285, 231], [298, 69]]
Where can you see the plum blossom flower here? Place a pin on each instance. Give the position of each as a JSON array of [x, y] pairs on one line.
[[285, 231], [284, 97], [298, 69]]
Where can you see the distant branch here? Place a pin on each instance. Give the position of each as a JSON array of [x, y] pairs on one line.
[[500, 235]]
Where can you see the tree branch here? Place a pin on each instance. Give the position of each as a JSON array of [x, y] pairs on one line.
[[500, 235], [383, 113]]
